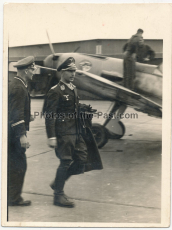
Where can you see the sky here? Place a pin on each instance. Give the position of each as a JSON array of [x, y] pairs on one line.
[[26, 24]]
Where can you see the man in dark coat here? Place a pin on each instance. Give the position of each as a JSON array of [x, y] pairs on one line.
[[129, 59], [144, 53], [18, 125], [68, 132]]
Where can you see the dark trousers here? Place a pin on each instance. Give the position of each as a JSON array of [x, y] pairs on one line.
[[72, 153], [16, 169], [129, 71]]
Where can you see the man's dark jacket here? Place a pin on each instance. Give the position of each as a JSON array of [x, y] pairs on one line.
[[143, 51], [18, 124], [18, 107], [133, 44], [61, 109]]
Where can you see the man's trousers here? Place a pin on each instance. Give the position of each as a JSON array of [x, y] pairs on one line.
[[129, 72], [16, 169], [72, 153]]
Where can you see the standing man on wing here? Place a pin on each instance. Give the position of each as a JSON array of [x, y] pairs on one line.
[[18, 124], [129, 59], [67, 132]]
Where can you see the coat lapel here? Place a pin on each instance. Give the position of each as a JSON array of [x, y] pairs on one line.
[[75, 92]]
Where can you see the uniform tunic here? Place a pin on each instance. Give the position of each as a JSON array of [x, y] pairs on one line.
[[61, 109], [18, 124], [62, 122]]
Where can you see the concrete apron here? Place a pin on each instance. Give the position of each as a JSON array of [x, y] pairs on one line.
[[127, 190]]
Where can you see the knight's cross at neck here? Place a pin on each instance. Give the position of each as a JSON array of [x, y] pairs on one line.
[[69, 85]]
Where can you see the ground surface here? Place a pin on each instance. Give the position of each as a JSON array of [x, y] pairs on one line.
[[127, 190]]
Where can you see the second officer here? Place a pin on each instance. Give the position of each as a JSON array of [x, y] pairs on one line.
[[76, 149]]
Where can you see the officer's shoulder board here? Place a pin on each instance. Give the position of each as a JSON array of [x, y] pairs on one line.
[[54, 86]]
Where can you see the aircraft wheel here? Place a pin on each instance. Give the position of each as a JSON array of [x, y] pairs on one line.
[[113, 135], [123, 130], [100, 135]]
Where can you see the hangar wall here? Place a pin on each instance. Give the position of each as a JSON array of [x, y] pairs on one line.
[[99, 46], [109, 47]]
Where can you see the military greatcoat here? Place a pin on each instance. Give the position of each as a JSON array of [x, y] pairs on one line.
[[61, 110]]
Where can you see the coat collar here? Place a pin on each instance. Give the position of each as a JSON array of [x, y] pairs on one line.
[[20, 79], [75, 91], [70, 85]]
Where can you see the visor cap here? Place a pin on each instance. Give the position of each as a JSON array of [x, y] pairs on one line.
[[25, 62], [67, 64]]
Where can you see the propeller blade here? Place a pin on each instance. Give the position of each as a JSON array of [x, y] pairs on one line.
[[38, 66], [76, 49], [50, 44]]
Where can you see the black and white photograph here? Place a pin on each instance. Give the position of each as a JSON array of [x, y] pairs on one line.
[[86, 115]]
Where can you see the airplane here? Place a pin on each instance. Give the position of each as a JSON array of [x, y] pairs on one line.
[[102, 77]]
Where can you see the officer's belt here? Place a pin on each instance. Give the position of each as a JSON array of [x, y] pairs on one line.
[[67, 114]]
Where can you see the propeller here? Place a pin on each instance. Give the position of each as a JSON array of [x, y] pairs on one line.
[[51, 47], [38, 66], [76, 49]]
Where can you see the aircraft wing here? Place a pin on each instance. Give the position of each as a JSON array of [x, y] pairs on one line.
[[108, 90], [17, 58], [111, 75]]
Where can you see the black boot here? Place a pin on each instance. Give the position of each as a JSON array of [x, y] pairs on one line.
[[75, 168], [52, 186], [59, 197], [20, 202], [61, 200]]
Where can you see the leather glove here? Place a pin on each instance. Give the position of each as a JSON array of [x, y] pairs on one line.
[[52, 142]]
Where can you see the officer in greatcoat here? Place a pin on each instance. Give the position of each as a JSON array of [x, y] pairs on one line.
[[130, 57], [18, 124], [69, 132]]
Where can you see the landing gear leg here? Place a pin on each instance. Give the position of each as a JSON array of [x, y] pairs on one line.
[[112, 128], [115, 128]]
